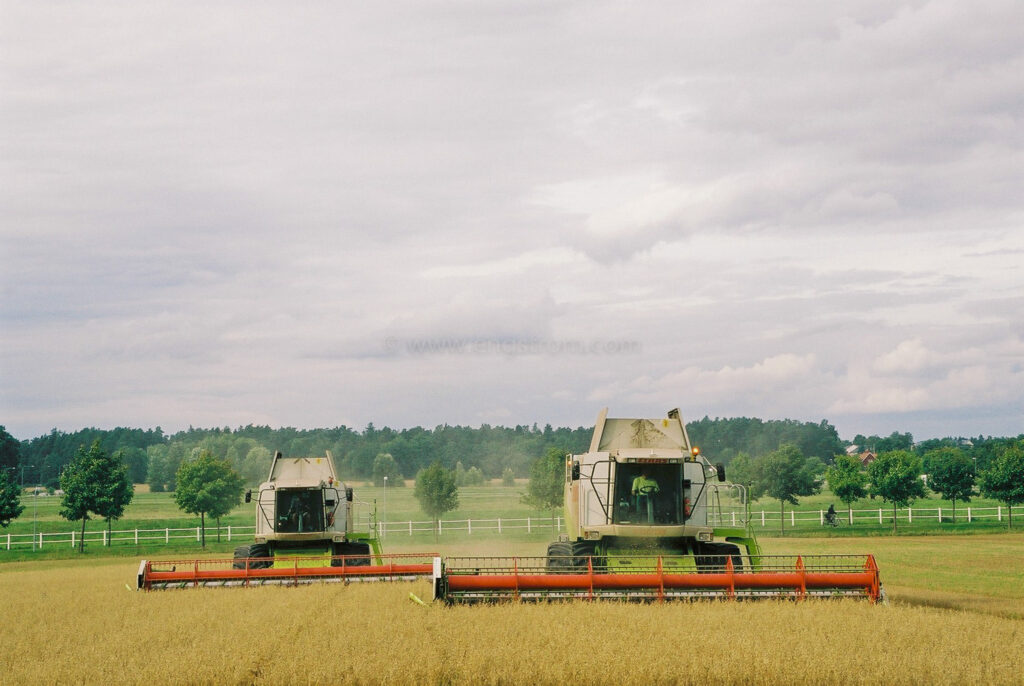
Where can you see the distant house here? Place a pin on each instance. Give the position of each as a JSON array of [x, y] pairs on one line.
[[866, 458], [852, 449]]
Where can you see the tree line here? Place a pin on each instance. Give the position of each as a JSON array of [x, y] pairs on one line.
[[486, 452], [153, 456]]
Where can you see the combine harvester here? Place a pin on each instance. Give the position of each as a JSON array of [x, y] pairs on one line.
[[304, 534], [650, 518]]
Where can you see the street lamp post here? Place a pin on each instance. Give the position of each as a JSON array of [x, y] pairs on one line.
[[35, 502]]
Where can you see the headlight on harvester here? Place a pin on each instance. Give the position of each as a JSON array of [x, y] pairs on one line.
[[704, 536]]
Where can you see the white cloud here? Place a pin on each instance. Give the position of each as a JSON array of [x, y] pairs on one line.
[[908, 356]]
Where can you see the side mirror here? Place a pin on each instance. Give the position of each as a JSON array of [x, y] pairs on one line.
[[348, 494], [720, 468], [575, 471], [248, 496]]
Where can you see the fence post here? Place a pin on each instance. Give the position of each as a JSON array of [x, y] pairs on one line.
[[940, 515], [469, 527], [821, 517], [968, 514], [8, 541], [136, 537], [792, 517], [198, 535], [167, 535], [229, 533], [762, 519], [40, 540], [527, 525], [910, 514], [999, 512], [410, 527], [734, 519], [499, 525], [879, 515], [559, 520], [439, 526], [105, 538], [849, 511]]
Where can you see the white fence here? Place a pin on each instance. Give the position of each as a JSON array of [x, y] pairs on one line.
[[501, 525], [123, 536], [884, 515], [245, 533], [762, 518]]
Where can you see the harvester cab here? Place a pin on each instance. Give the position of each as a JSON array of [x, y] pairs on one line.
[[303, 509]]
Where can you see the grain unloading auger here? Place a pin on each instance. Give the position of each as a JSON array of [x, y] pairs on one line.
[[650, 518], [304, 533]]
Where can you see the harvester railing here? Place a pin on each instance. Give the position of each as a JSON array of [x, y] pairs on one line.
[[658, 578], [727, 505], [292, 571]]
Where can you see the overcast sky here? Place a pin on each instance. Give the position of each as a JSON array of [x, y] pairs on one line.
[[320, 213]]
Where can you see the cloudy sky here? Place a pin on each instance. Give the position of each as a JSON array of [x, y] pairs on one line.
[[311, 214]]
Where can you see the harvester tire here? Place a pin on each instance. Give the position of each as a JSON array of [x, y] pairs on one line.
[[711, 557], [252, 550], [352, 548], [560, 556], [581, 550]]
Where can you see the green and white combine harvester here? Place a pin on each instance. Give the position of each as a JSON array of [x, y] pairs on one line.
[[650, 518], [305, 532]]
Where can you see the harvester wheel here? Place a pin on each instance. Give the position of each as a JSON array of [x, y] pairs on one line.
[[560, 556], [581, 550], [252, 550], [711, 556], [352, 548]]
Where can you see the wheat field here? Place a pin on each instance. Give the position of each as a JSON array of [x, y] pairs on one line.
[[81, 624]]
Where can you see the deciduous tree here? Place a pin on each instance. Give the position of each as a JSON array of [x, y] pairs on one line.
[[743, 470], [10, 499], [785, 474], [113, 487], [546, 490], [10, 449], [847, 480], [1004, 479], [951, 474], [896, 477], [207, 485], [256, 465], [436, 491], [384, 465], [82, 484]]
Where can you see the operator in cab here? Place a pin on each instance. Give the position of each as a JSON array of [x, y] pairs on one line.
[[644, 484], [644, 488]]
